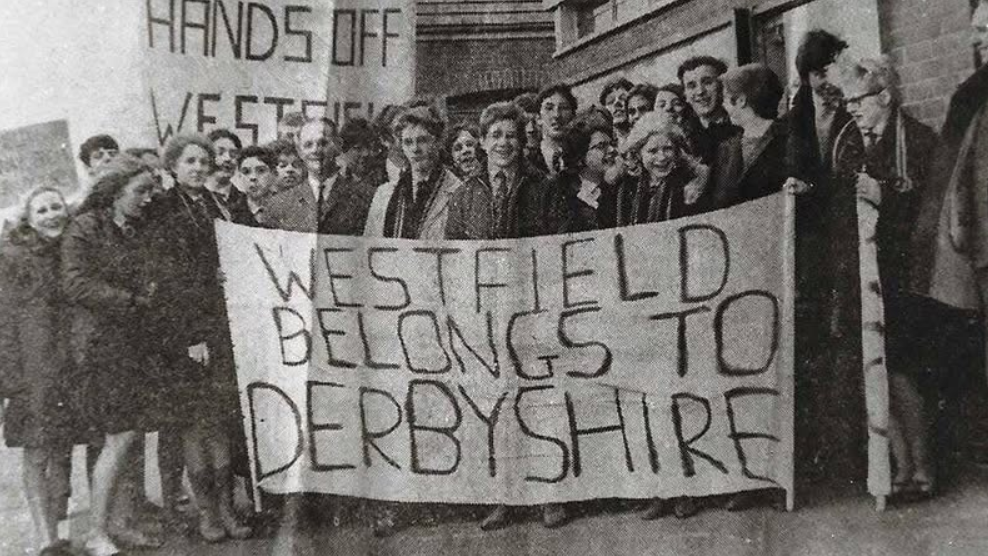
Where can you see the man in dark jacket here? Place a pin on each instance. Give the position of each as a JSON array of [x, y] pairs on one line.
[[701, 80], [751, 164], [894, 169], [949, 249]]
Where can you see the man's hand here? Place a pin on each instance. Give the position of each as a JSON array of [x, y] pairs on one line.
[[701, 174], [797, 186], [869, 189], [199, 353]]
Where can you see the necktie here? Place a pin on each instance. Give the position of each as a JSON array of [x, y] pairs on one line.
[[498, 185], [557, 162], [870, 138]]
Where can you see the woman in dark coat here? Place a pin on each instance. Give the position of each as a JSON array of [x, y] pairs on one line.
[[35, 363], [195, 338], [105, 275]]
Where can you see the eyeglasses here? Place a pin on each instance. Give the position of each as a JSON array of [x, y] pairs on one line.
[[857, 100], [602, 146]]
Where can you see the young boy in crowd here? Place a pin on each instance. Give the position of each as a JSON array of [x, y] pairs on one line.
[[256, 177], [289, 168]]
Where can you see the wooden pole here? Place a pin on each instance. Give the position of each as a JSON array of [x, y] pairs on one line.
[[788, 337]]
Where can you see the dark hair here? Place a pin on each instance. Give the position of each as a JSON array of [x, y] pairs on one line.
[[459, 128], [264, 154], [576, 138], [818, 50], [760, 86], [282, 147], [221, 133], [613, 85], [645, 90], [699, 61], [425, 115], [527, 102], [503, 111], [294, 119], [176, 145], [357, 132], [556, 89], [107, 187], [95, 143], [674, 88]]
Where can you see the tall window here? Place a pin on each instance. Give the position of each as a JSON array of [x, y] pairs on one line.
[[587, 18]]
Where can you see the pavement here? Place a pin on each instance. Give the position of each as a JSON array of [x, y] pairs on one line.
[[829, 521]]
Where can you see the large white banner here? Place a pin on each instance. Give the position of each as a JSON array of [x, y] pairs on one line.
[[646, 361], [242, 65]]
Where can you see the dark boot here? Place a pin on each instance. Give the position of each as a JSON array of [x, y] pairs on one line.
[[224, 505], [204, 492]]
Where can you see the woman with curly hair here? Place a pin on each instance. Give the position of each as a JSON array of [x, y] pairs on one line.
[[105, 275], [196, 345]]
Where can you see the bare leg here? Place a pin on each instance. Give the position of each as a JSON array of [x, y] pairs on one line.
[[105, 477], [910, 412], [37, 490]]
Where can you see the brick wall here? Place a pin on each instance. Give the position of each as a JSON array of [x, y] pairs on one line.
[[929, 42], [669, 26], [465, 66]]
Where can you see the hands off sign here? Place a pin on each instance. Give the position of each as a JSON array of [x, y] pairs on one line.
[[645, 361], [243, 64]]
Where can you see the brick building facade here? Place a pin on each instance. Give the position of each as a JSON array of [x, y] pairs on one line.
[[647, 39], [471, 53]]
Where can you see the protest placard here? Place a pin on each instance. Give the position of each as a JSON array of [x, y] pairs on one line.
[[242, 65], [33, 156], [646, 361]]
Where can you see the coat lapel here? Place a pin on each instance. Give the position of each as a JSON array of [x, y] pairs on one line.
[[763, 143], [441, 198]]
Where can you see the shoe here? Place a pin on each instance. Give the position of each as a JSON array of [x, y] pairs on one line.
[[100, 547], [234, 529], [135, 538], [497, 519], [686, 506], [554, 515], [58, 548], [656, 508], [210, 529]]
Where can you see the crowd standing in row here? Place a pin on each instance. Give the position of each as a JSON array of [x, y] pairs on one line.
[[136, 265]]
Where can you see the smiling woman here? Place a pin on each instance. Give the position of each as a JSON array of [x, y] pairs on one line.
[[34, 365]]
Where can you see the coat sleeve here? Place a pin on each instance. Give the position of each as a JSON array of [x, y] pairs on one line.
[[11, 370], [81, 282], [470, 212]]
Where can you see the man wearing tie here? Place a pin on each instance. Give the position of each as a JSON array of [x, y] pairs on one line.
[[557, 106], [894, 172], [323, 197]]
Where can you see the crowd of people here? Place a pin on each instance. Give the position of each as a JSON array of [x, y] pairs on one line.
[[135, 262]]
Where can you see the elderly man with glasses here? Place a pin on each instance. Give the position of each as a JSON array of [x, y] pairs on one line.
[[890, 173]]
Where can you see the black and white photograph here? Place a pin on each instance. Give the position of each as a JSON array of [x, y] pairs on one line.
[[493, 277]]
